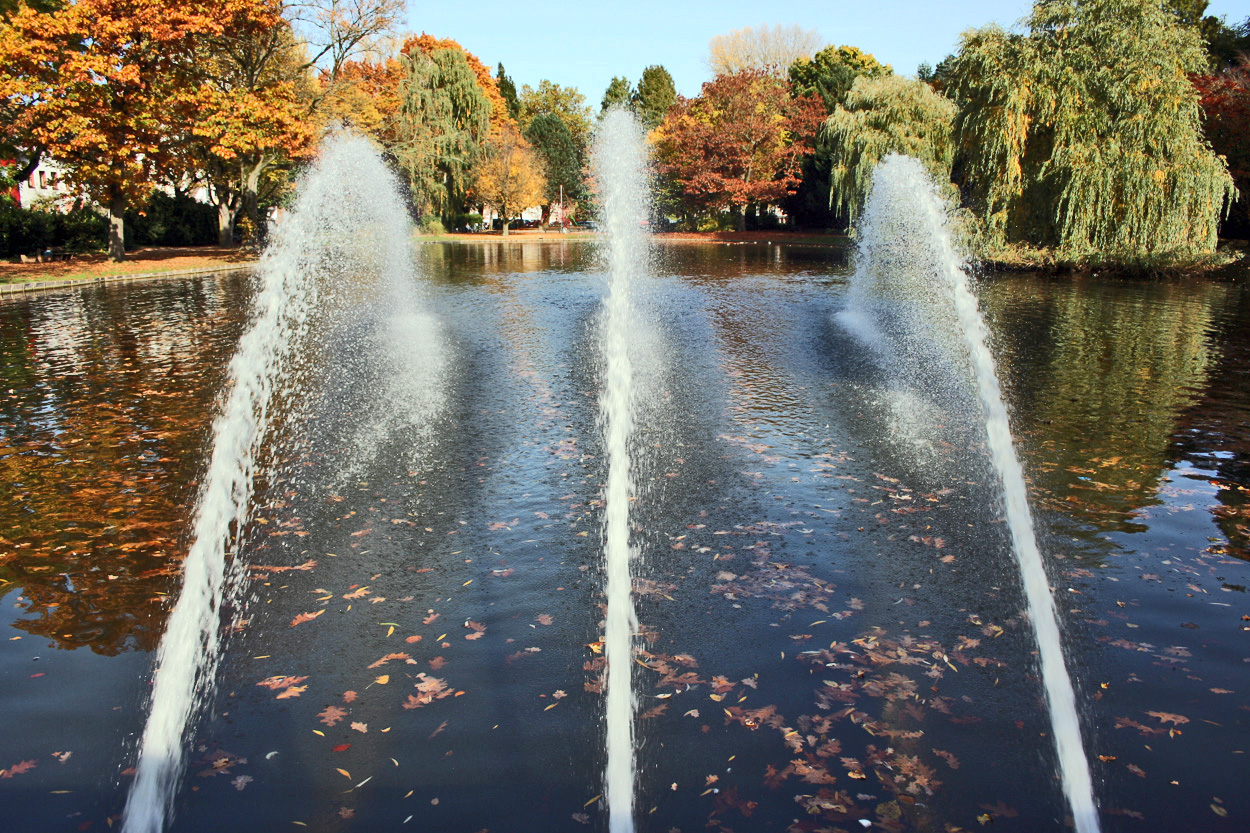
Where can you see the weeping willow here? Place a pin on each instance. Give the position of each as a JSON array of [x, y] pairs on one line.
[[1085, 134], [888, 114], [442, 126]]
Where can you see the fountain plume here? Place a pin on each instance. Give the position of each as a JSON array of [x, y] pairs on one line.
[[906, 250], [620, 165], [348, 221]]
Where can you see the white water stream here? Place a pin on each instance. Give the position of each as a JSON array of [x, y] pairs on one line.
[[906, 235], [347, 222], [620, 165]]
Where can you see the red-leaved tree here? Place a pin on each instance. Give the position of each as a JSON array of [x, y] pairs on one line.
[[1225, 100], [740, 142]]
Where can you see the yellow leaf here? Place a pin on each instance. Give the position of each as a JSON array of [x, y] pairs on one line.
[[383, 680], [344, 773]]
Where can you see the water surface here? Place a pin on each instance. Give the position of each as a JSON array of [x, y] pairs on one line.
[[831, 621]]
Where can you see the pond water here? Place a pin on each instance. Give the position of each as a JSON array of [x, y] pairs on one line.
[[831, 619]]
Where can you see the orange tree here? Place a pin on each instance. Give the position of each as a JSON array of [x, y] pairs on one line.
[[739, 143], [509, 176], [104, 86]]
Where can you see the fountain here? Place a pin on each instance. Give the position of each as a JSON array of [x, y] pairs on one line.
[[347, 222], [620, 169], [348, 236], [907, 254]]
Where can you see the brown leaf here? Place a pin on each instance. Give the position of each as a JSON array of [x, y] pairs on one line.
[[331, 715], [18, 768], [1168, 717], [384, 660], [306, 617]]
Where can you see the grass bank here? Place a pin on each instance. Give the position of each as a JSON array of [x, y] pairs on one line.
[[140, 263]]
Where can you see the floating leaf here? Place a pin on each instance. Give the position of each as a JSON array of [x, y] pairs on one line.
[[306, 617], [331, 715]]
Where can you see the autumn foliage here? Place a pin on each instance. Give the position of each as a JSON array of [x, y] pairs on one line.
[[740, 142]]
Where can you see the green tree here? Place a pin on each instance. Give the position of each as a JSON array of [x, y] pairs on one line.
[[831, 72], [618, 94], [443, 125], [1084, 134], [828, 75], [507, 89], [885, 115], [655, 95], [565, 102], [551, 140]]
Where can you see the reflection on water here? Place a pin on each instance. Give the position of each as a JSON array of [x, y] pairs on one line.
[[1101, 376], [841, 625], [105, 402]]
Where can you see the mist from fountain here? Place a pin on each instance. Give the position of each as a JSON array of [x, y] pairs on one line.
[[910, 302], [347, 235], [620, 170]]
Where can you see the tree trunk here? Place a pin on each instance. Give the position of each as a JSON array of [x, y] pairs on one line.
[[225, 224], [504, 214], [740, 219], [117, 227], [251, 199]]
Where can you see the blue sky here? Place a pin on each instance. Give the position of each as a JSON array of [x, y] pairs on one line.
[[583, 44]]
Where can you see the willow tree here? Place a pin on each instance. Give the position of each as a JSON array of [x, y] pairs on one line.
[[1084, 135], [442, 128], [890, 114]]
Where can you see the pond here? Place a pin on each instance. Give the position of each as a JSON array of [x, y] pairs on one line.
[[830, 616]]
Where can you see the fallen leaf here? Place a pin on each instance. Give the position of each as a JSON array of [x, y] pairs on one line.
[[306, 617], [18, 768], [361, 727], [383, 680], [1168, 717], [384, 660], [331, 715]]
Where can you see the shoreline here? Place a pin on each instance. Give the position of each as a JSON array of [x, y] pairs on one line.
[[23, 279]]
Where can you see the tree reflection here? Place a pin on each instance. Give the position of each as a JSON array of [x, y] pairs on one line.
[[107, 399], [1099, 375]]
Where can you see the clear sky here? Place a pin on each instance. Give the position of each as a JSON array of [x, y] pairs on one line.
[[584, 43]]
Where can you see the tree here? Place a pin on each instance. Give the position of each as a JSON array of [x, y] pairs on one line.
[[655, 95], [738, 143], [250, 119], [500, 108], [366, 98], [768, 49], [1225, 100], [1084, 135], [565, 102], [509, 177], [508, 90], [618, 94], [442, 127], [105, 84], [885, 115], [555, 148], [830, 73]]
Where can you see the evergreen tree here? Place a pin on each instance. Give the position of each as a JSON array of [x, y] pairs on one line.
[[618, 94], [508, 90], [656, 94], [443, 124], [831, 72], [1085, 134], [557, 151]]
